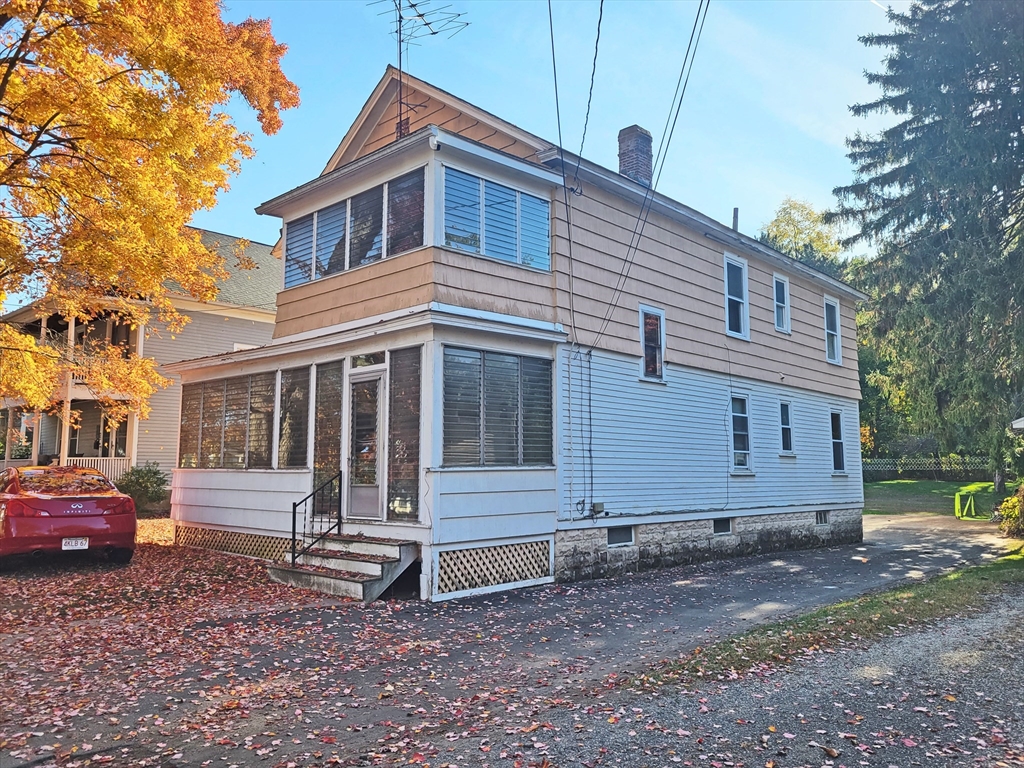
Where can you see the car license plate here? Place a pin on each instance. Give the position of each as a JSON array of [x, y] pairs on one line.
[[74, 544]]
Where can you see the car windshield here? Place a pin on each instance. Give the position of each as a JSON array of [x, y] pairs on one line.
[[57, 482]]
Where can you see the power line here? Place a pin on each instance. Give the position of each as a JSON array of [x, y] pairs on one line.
[[659, 162], [577, 188]]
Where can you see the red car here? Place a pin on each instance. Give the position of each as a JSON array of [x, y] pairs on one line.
[[54, 509]]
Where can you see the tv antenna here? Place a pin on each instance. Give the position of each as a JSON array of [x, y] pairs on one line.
[[415, 20]]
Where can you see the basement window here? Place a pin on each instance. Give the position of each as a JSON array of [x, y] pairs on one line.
[[620, 536], [821, 517], [722, 526]]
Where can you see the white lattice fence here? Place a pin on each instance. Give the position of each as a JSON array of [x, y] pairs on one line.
[[463, 569], [927, 463]]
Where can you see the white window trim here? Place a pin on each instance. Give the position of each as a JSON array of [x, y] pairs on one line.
[[832, 441], [745, 319], [838, 360], [787, 325], [648, 310], [733, 467], [520, 191], [782, 448]]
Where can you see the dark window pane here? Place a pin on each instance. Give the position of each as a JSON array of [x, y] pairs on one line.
[[188, 436], [462, 384], [838, 461], [366, 241], [652, 345], [499, 221], [330, 239], [236, 421], [211, 441], [365, 425], [837, 426], [372, 358], [735, 316], [405, 212], [534, 229], [734, 273], [404, 434], [293, 449], [298, 251], [461, 210], [780, 292], [501, 409], [787, 439], [330, 387], [537, 421], [261, 419]]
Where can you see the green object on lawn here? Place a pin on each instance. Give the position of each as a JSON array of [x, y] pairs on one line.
[[965, 510]]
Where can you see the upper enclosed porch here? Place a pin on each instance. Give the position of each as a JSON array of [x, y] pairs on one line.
[[432, 217]]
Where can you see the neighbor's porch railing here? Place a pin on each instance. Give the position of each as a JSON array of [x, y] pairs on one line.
[[320, 514], [113, 467], [15, 463]]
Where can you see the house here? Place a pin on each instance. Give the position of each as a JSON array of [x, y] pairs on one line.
[[242, 317], [479, 371]]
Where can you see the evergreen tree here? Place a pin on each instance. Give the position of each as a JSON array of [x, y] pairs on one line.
[[941, 193]]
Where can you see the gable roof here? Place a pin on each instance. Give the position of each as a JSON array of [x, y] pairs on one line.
[[383, 98]]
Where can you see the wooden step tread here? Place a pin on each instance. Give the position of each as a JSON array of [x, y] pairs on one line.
[[359, 557], [367, 539]]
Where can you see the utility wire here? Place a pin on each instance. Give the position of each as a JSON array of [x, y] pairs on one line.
[[577, 187], [659, 163]]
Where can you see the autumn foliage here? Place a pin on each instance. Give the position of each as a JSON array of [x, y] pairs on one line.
[[112, 135]]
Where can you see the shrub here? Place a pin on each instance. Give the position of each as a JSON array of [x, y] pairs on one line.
[[1011, 521], [145, 484]]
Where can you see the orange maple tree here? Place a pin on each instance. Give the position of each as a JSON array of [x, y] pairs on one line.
[[113, 133]]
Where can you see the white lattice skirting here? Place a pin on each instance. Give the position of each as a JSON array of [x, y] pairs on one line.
[[459, 570], [248, 544]]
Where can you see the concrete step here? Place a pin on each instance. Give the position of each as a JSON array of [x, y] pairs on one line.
[[331, 582], [355, 562], [367, 545]]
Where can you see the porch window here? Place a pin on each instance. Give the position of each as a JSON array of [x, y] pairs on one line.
[[404, 434], [352, 232], [488, 218], [293, 439], [497, 409], [227, 423], [330, 391]]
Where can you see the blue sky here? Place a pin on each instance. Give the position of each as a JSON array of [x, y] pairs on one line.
[[765, 115]]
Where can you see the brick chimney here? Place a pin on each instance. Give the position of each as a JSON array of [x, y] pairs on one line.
[[635, 156]]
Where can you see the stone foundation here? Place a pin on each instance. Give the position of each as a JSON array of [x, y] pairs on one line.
[[585, 554]]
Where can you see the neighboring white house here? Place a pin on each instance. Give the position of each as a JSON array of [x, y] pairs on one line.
[[510, 391], [242, 317]]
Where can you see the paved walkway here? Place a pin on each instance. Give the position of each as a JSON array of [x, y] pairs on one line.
[[402, 679]]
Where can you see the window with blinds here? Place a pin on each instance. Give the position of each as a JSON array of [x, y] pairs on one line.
[[227, 424], [404, 389], [293, 427], [497, 409], [352, 232], [488, 218]]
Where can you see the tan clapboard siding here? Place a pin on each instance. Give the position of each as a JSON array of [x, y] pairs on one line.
[[399, 282], [434, 112], [682, 272], [208, 333], [493, 286]]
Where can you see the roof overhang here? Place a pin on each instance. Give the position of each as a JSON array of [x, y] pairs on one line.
[[628, 189], [436, 138]]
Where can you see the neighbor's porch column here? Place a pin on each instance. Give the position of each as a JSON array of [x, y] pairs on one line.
[[65, 420], [37, 433]]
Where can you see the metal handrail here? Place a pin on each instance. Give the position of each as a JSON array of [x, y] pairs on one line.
[[333, 514]]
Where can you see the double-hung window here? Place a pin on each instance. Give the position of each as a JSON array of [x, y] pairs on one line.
[[482, 216], [736, 309], [838, 452], [497, 409], [382, 221], [833, 348], [780, 288], [786, 426], [652, 337], [740, 434]]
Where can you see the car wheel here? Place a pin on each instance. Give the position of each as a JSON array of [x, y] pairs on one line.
[[122, 556]]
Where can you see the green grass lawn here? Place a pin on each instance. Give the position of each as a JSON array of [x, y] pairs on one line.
[[897, 497]]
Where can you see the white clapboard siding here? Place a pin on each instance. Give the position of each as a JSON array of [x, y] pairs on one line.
[[485, 504], [662, 448], [207, 334], [251, 501]]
